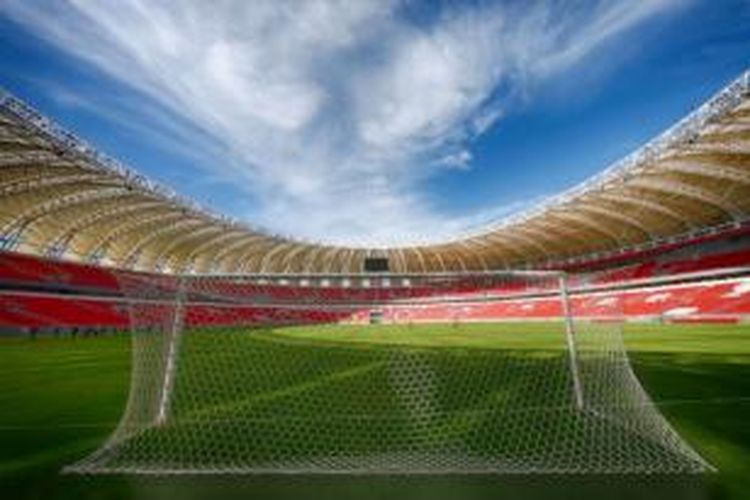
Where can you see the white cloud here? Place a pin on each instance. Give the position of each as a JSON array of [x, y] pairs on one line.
[[330, 113], [436, 78], [460, 160]]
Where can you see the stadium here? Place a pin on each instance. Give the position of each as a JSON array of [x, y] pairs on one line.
[[595, 342]]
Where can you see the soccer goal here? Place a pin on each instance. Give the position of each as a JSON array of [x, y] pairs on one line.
[[502, 372]]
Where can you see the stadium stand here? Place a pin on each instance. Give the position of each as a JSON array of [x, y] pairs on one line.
[[22, 270], [42, 312], [665, 231], [704, 280]]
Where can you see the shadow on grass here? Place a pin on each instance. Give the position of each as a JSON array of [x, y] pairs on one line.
[[538, 487], [702, 395], [706, 397]]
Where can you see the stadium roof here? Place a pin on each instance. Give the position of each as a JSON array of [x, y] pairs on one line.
[[62, 198]]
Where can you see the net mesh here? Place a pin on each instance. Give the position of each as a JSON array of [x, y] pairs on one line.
[[494, 373]]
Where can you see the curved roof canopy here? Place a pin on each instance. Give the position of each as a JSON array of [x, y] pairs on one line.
[[59, 197]]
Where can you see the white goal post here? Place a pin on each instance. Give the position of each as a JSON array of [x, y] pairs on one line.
[[284, 374]]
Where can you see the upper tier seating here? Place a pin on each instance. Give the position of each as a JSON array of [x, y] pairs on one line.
[[670, 267], [19, 269], [52, 311]]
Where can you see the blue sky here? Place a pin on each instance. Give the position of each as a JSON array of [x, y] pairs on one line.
[[381, 122]]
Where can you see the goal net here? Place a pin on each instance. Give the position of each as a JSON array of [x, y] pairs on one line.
[[507, 372]]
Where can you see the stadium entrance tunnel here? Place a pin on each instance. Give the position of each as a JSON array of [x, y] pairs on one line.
[[235, 376]]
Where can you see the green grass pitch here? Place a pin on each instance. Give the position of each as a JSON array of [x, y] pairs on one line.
[[59, 398]]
